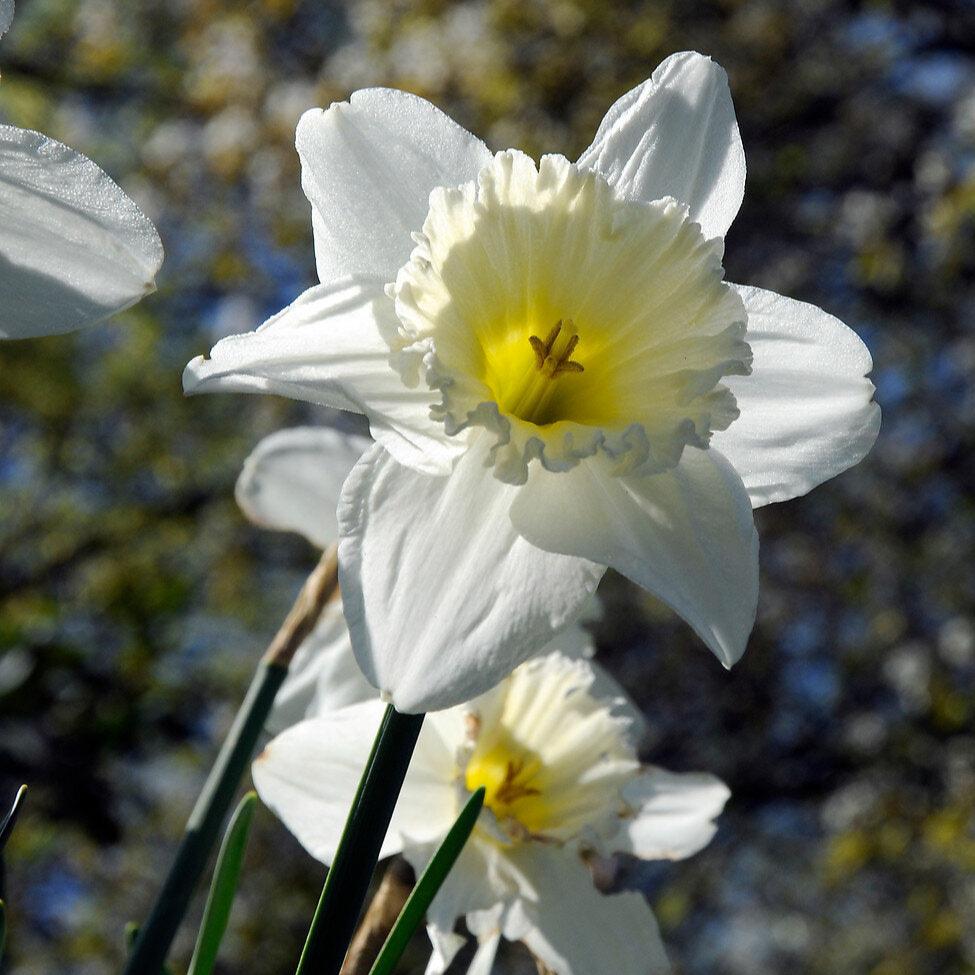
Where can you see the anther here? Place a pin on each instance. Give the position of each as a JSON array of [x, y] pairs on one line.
[[545, 361]]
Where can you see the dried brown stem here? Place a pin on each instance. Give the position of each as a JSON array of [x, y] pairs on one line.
[[388, 901], [319, 589]]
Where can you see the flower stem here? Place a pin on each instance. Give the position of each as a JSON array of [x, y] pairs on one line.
[[203, 828], [355, 859]]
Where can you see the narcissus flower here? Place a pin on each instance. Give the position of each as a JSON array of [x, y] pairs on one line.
[[74, 249], [556, 373], [555, 755], [291, 482]]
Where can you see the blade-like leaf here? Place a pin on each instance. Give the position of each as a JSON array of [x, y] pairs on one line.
[[226, 876], [10, 820], [354, 863], [427, 886]]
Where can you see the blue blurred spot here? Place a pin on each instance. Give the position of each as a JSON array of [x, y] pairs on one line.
[[813, 683], [876, 30], [803, 634], [893, 386], [53, 896], [933, 78]]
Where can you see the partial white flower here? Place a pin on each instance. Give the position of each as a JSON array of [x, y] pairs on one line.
[[291, 482], [556, 373], [74, 249], [292, 479], [555, 755]]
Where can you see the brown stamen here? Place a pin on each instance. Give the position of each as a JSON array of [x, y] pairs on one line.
[[511, 789], [545, 361]]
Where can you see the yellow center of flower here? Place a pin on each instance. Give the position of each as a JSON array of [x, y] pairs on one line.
[[550, 756], [569, 320], [527, 381], [512, 776]]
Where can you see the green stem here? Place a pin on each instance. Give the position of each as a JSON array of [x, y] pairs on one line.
[[355, 859], [203, 828]]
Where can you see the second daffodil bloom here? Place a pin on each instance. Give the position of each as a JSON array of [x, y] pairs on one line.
[[74, 249], [553, 750], [557, 376]]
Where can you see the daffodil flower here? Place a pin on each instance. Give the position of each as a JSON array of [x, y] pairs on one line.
[[291, 482], [74, 249], [555, 754], [554, 751], [557, 376]]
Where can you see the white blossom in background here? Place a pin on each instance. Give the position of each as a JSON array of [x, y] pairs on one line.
[[74, 249], [556, 374], [554, 751], [291, 482]]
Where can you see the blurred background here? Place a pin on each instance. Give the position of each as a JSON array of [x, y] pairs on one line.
[[135, 600]]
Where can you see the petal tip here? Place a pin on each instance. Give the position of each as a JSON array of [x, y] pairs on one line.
[[194, 375]]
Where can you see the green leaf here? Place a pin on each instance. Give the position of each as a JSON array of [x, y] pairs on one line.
[[354, 863], [427, 886], [10, 820], [226, 876]]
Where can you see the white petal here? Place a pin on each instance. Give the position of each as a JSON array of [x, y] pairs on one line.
[[323, 676], [308, 776], [292, 479], [368, 166], [6, 15], [807, 412], [673, 814], [327, 347], [574, 928], [442, 596], [676, 135], [687, 535], [74, 248], [446, 944], [575, 641], [487, 949], [483, 879]]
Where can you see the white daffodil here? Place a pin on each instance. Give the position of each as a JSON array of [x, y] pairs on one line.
[[557, 375], [74, 248], [553, 747], [291, 482]]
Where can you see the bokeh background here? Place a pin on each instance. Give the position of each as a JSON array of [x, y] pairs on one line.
[[135, 600]]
